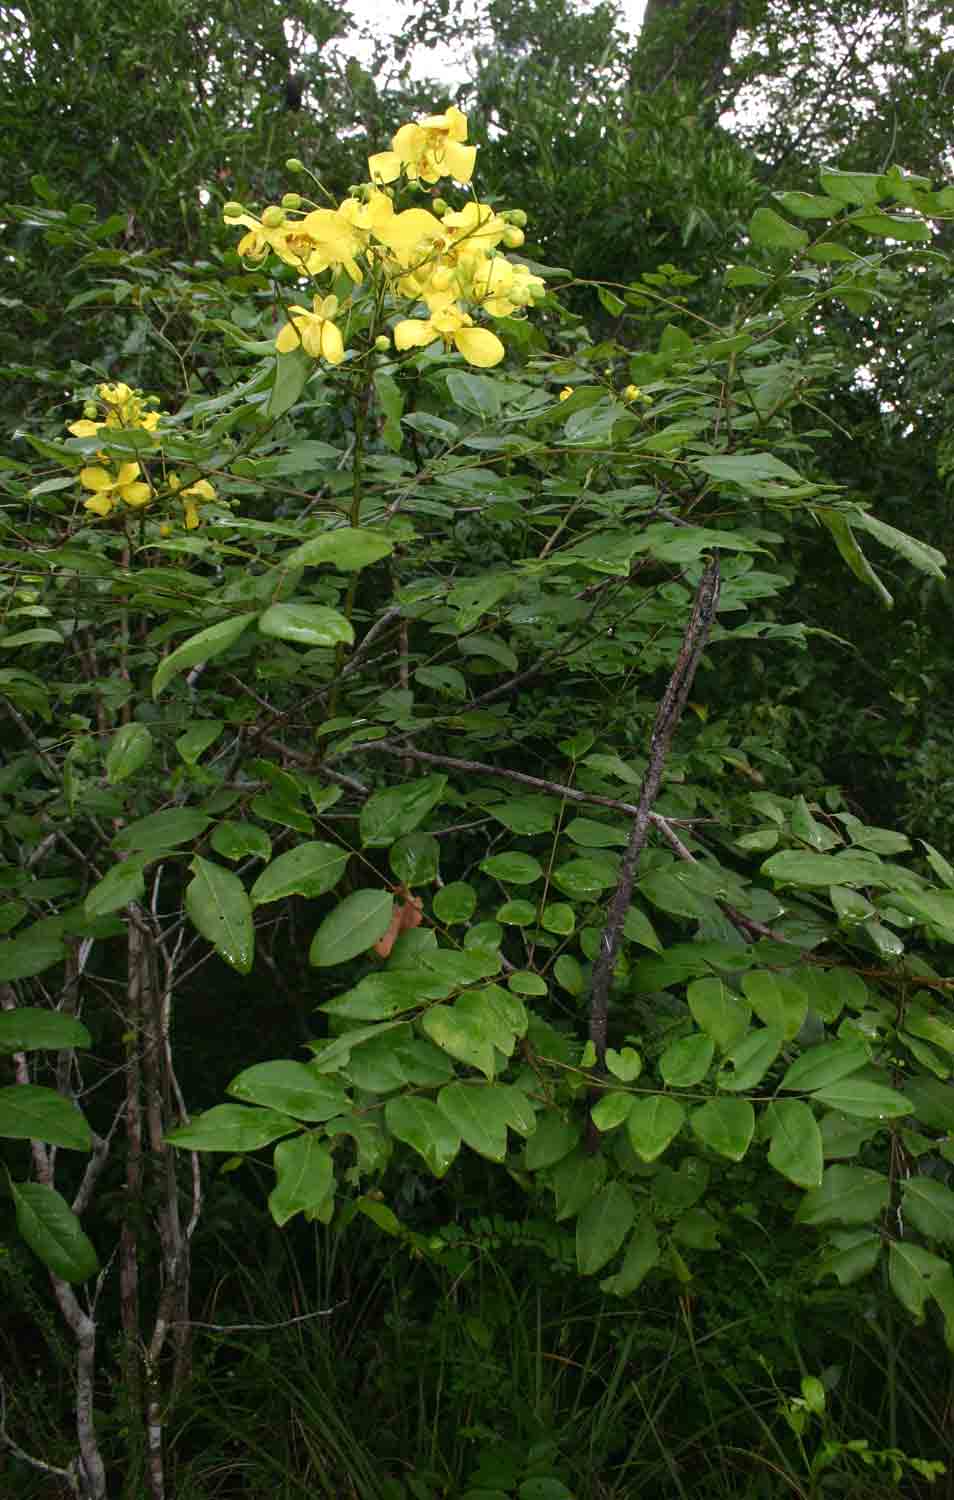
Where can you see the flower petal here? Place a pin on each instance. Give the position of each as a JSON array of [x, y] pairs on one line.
[[414, 333], [479, 347]]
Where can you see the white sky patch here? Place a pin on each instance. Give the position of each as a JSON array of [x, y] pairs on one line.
[[450, 62]]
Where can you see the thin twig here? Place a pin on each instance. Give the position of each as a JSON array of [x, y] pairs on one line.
[[667, 718]]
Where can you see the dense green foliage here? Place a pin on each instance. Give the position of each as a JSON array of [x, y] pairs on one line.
[[477, 900]]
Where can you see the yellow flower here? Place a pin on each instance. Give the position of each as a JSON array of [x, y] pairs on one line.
[[475, 229], [108, 489], [566, 393], [429, 151], [201, 490], [315, 331], [114, 395], [412, 236], [479, 346]]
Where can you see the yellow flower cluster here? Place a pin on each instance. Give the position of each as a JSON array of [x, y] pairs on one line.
[[123, 408], [119, 483], [451, 261], [113, 483]]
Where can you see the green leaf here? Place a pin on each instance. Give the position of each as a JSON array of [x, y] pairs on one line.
[[30, 1028], [444, 680], [553, 1140], [921, 556], [292, 1088], [307, 625], [592, 835], [30, 1112], [543, 1488], [397, 810], [845, 540], [626, 1064], [698, 1229], [847, 1195], [686, 1062], [304, 1175], [309, 870], [456, 902], [930, 1207], [718, 1012], [825, 1064], [346, 548], [414, 859], [478, 394], [526, 815], [638, 929], [353, 927], [777, 1002], [513, 868], [653, 1123], [725, 1126], [379, 997], [292, 371], [481, 1113], [805, 867], [583, 879], [808, 205], [232, 1128], [559, 918], [749, 1060], [517, 914], [162, 830], [568, 974], [218, 906], [120, 885], [490, 646], [851, 187], [869, 1101], [197, 739], [53, 1232], [915, 1275], [462, 1035], [421, 1125], [603, 1226], [129, 749], [892, 226], [611, 1110], [796, 1143], [769, 229], [30, 953], [241, 840], [855, 1253], [200, 648], [642, 1255]]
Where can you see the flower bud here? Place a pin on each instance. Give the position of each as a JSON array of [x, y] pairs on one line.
[[631, 393], [439, 207], [273, 217], [382, 343], [233, 210], [566, 393], [291, 200], [513, 237], [518, 217], [90, 411], [294, 165]]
